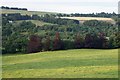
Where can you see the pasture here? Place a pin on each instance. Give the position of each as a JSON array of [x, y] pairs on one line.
[[78, 63], [36, 22], [23, 12]]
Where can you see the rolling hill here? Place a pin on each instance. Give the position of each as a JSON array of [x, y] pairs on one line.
[[23, 12], [36, 22], [82, 19], [79, 63], [74, 63]]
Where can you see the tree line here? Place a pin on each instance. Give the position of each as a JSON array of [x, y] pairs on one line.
[[96, 41], [26, 37], [102, 14], [37, 43], [46, 18], [13, 8]]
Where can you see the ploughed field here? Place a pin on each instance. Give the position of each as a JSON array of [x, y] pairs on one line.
[[78, 63]]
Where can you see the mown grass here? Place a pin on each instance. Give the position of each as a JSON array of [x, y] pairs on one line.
[[81, 63]]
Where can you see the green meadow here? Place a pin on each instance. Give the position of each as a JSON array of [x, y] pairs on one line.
[[23, 12], [36, 22], [78, 63]]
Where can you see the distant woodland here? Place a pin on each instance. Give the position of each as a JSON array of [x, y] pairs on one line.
[[13, 8], [21, 35]]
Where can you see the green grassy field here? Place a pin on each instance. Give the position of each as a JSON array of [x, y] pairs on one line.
[[36, 22], [80, 63], [23, 12]]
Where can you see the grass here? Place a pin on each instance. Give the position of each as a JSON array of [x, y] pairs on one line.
[[23, 12], [80, 63], [36, 22]]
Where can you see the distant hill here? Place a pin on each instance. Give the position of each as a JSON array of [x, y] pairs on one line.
[[83, 19], [13, 8], [24, 12]]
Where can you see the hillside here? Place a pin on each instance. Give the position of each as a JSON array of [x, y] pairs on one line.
[[45, 46], [23, 12], [71, 34], [36, 22], [79, 63], [83, 19]]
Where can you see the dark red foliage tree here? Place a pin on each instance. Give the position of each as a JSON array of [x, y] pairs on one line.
[[88, 40], [34, 44], [58, 44], [79, 42], [96, 41]]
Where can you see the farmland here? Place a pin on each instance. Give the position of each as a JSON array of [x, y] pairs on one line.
[[64, 48], [23, 12], [78, 63], [36, 22], [90, 18]]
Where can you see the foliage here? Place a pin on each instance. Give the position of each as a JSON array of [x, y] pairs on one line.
[[13, 8], [96, 23], [62, 34], [102, 14], [57, 43], [79, 41], [34, 44]]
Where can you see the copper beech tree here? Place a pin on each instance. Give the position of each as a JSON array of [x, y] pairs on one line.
[[34, 44], [57, 43]]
